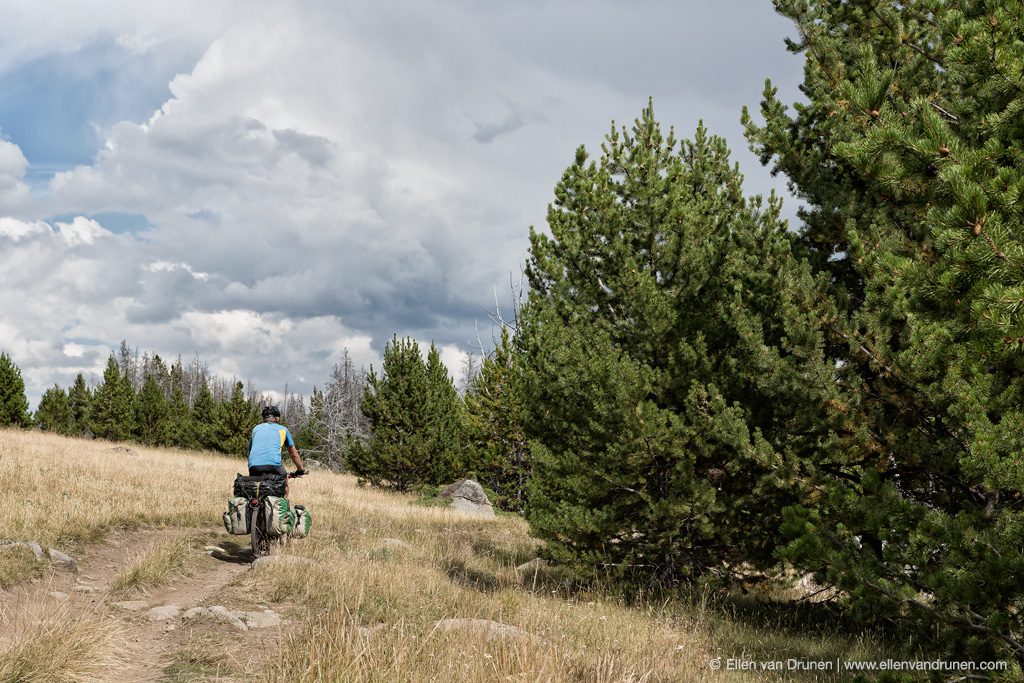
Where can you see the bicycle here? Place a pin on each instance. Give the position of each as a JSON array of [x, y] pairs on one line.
[[256, 517]]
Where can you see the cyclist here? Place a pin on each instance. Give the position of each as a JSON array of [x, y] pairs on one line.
[[266, 443]]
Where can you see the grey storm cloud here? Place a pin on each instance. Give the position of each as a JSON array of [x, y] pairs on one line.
[[330, 174]]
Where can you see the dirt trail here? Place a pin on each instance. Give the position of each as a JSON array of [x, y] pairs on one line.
[[149, 645]]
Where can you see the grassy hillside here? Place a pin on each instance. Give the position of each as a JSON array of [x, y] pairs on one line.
[[368, 594]]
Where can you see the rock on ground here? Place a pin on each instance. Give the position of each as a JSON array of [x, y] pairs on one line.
[[62, 560], [243, 621], [468, 496], [492, 629], [371, 630], [31, 545], [265, 619], [163, 613], [531, 567]]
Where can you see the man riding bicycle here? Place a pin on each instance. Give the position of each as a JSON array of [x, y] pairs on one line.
[[266, 443]]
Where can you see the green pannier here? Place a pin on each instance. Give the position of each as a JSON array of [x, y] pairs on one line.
[[279, 516], [302, 522], [235, 520]]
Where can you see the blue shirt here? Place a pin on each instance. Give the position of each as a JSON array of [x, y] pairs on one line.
[[267, 441]]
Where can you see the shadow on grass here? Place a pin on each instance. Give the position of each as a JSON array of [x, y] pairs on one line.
[[234, 553], [481, 580]]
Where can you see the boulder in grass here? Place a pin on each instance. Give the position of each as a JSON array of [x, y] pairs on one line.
[[268, 618], [485, 627], [467, 495], [36, 549], [163, 613], [63, 561]]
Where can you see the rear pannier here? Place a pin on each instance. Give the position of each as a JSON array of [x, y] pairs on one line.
[[279, 516], [302, 522], [235, 520]]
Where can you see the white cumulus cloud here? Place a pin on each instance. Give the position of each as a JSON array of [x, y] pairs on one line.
[[328, 174]]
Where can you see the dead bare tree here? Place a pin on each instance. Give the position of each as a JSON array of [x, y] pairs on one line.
[[518, 292], [470, 370], [338, 417]]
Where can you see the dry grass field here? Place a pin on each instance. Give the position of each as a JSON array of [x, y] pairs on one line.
[[382, 590]]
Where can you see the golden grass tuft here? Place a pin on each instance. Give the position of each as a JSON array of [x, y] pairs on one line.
[[48, 644], [155, 566], [18, 564]]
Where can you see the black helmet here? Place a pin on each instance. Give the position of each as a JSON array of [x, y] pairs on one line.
[[271, 411]]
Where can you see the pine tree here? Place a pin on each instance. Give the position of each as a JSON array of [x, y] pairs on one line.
[[397, 406], [907, 154], [237, 417], [13, 402], [444, 422], [204, 419], [54, 413], [313, 435], [113, 408], [81, 403], [672, 361], [495, 429], [151, 415], [177, 424]]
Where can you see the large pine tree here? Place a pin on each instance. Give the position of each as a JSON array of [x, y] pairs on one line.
[[204, 419], [444, 423], [113, 406], [237, 417], [177, 425], [497, 450], [151, 415], [673, 363], [13, 402], [409, 412], [81, 403], [908, 154], [54, 413]]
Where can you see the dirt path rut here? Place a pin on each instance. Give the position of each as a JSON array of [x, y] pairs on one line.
[[152, 633]]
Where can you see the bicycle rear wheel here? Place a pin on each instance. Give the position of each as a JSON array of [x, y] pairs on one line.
[[257, 534]]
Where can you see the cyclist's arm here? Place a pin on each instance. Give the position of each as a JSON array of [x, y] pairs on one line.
[[294, 453]]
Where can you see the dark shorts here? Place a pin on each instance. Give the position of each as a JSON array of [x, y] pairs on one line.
[[267, 469]]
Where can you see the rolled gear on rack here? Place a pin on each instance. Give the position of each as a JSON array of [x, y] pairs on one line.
[[265, 484], [235, 519], [302, 522], [279, 516]]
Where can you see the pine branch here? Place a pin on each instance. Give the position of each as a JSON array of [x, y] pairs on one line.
[[906, 41], [952, 117]]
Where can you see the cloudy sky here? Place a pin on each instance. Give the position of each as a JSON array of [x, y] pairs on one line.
[[265, 183]]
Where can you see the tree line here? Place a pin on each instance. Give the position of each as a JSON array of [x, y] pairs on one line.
[[144, 400]]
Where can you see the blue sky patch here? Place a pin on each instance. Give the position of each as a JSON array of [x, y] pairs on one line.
[[58, 107], [114, 221]]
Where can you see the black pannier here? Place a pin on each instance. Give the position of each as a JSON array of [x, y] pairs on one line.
[[264, 484]]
